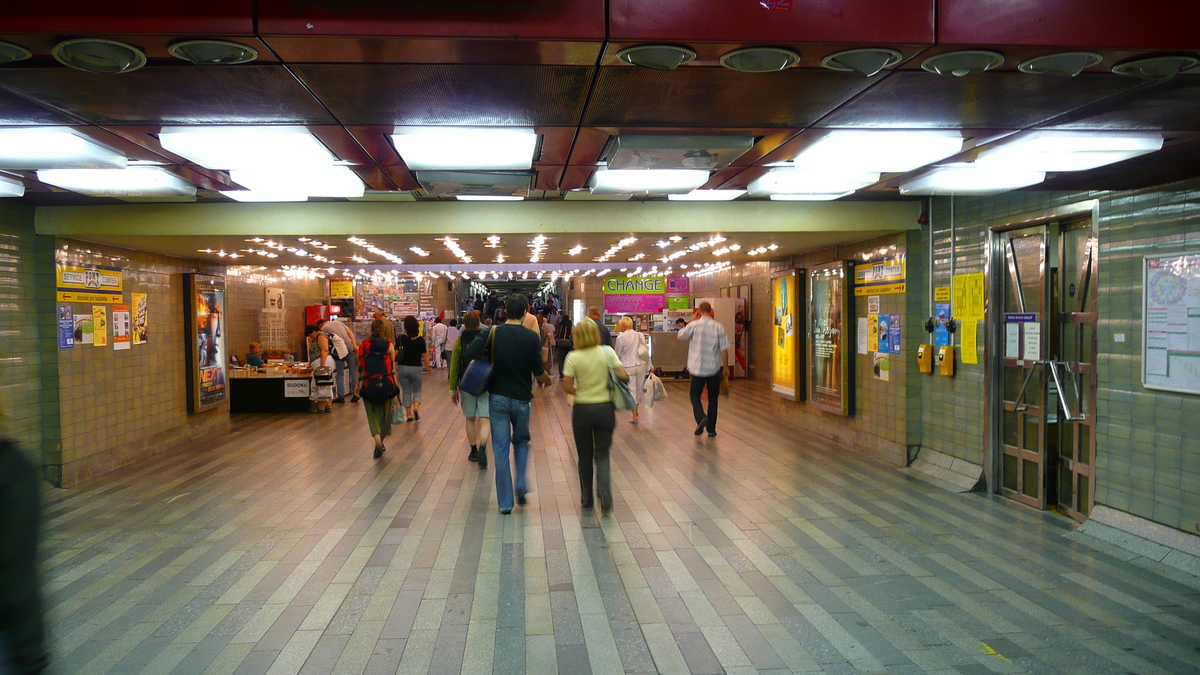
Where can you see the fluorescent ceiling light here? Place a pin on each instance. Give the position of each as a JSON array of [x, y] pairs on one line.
[[252, 196], [10, 187], [798, 181], [661, 182], [587, 196], [330, 181], [246, 147], [450, 148], [821, 197], [50, 148], [489, 198], [138, 181], [970, 179], [1068, 150], [879, 150], [707, 196]]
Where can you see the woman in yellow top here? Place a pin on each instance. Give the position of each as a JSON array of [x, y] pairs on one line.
[[585, 374]]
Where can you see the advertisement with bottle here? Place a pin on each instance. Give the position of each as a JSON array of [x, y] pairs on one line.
[[205, 308]]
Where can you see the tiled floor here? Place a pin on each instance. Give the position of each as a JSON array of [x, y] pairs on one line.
[[285, 548]]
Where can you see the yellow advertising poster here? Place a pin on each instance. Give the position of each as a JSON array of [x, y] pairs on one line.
[[967, 302], [89, 284], [99, 325], [341, 288], [872, 332], [140, 322], [970, 341], [785, 350]]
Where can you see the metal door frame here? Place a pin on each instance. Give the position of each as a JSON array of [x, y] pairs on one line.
[[993, 380]]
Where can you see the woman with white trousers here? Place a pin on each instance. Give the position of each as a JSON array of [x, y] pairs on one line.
[[627, 345]]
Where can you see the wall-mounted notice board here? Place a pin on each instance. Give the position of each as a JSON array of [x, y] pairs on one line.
[[1171, 322]]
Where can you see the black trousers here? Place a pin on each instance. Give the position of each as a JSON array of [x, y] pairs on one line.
[[593, 424], [713, 382]]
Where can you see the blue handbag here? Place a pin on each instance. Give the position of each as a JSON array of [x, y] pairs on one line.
[[478, 375]]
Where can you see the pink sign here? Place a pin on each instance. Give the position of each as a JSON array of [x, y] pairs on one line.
[[679, 285], [647, 303]]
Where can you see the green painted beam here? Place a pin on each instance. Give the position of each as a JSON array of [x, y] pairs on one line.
[[329, 218]]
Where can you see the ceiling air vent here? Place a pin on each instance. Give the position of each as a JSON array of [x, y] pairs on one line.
[[97, 55], [487, 183], [677, 152], [1067, 64], [868, 61], [1157, 67], [213, 52], [657, 57], [959, 64], [760, 59], [10, 53]]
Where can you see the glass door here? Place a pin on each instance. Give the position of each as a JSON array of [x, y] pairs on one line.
[[1046, 330]]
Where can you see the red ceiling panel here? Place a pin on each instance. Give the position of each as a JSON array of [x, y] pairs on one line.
[[435, 50], [1083, 24], [17, 110], [906, 22], [65, 17], [503, 19]]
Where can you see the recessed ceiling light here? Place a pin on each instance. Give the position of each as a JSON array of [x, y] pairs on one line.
[[213, 52], [962, 63], [251, 147], [141, 181], [707, 196], [657, 57], [97, 55], [10, 53], [11, 187], [760, 59], [1157, 67], [1068, 150], [879, 150], [797, 181], [50, 148], [1066, 64], [969, 179], [330, 181], [868, 61], [465, 148], [662, 181]]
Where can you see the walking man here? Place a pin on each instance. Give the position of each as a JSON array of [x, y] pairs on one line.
[[516, 360], [438, 333], [605, 334], [708, 350], [344, 347]]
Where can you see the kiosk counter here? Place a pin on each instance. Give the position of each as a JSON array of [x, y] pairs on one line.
[[272, 389]]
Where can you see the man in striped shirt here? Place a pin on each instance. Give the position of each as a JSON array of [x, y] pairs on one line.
[[708, 350]]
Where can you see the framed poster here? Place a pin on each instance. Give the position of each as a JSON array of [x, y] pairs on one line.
[[1171, 322], [830, 342], [743, 291], [725, 292], [204, 304], [787, 356]]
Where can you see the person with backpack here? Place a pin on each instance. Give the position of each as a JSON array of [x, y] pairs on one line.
[[562, 343], [377, 368], [475, 408]]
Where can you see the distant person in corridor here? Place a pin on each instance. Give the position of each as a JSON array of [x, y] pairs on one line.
[[593, 313], [593, 418], [475, 408], [708, 351], [516, 359]]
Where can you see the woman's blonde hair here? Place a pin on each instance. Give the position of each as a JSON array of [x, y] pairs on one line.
[[586, 334], [624, 324]]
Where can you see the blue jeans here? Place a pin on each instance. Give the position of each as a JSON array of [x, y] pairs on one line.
[[510, 424]]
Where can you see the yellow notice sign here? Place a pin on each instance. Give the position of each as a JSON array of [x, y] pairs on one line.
[[968, 300], [872, 332], [941, 294], [85, 296], [970, 341], [341, 288]]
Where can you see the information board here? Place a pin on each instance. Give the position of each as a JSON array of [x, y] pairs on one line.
[[787, 336], [1171, 322]]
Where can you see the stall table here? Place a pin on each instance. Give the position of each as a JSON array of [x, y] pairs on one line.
[[275, 391]]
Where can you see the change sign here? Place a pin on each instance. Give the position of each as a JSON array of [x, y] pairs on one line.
[[634, 295]]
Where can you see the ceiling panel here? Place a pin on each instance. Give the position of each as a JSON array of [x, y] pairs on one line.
[[213, 17], [387, 94], [434, 50], [1173, 105], [846, 21], [17, 110], [718, 97], [1094, 24], [997, 100], [249, 94]]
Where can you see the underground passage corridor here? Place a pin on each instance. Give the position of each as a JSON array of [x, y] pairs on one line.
[[287, 548]]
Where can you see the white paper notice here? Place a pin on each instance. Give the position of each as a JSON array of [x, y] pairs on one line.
[[1012, 342], [1156, 361], [1033, 340], [872, 304], [863, 335]]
